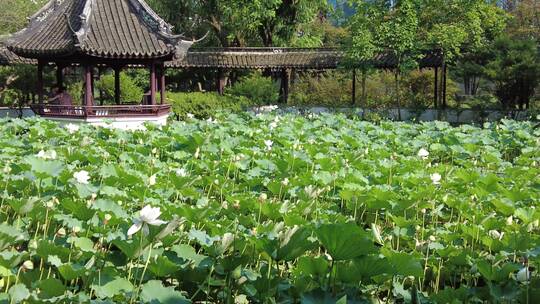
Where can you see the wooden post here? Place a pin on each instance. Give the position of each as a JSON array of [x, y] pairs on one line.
[[436, 90], [88, 96], [220, 81], [162, 85], [353, 101], [40, 82], [285, 80], [445, 80], [153, 83], [117, 85], [59, 75]]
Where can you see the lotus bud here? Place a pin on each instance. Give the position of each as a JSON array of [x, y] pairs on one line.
[[154, 151], [432, 238], [32, 244], [495, 234], [510, 220], [28, 265], [152, 180], [227, 240], [524, 275], [423, 210], [285, 182], [61, 232], [49, 204], [242, 280], [263, 197], [7, 169], [94, 196], [76, 229], [225, 205]]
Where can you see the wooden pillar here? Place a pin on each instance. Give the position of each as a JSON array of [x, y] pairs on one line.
[[220, 81], [153, 83], [40, 82], [445, 80], [88, 96], [353, 100], [285, 81], [162, 85], [436, 89], [117, 85], [59, 75]]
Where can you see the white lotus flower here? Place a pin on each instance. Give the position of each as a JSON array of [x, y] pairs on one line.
[[268, 143], [147, 216], [423, 153], [51, 154], [496, 234], [72, 128], [190, 116], [524, 275], [436, 178], [181, 172], [152, 180], [82, 177]]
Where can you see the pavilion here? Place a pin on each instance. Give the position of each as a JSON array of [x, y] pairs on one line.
[[100, 34]]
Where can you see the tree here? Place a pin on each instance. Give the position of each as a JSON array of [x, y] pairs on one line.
[[461, 30], [514, 68], [362, 47], [13, 14], [398, 34]]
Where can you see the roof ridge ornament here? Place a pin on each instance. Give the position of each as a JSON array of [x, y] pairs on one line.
[[85, 21]]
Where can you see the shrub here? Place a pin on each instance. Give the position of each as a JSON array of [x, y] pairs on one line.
[[129, 91], [330, 89], [204, 105], [260, 90]]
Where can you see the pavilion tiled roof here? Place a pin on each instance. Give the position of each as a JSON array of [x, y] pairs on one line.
[[9, 58], [277, 58], [262, 58], [111, 29]]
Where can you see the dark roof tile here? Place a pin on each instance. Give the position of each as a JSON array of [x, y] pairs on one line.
[[123, 29]]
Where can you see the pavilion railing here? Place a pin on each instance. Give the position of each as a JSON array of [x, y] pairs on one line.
[[113, 111]]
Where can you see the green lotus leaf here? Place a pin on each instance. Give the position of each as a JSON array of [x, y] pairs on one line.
[[51, 288], [345, 241], [112, 288], [19, 293], [155, 292]]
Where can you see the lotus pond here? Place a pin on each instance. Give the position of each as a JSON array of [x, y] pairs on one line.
[[270, 209]]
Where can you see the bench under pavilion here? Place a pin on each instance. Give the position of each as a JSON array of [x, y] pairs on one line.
[[100, 34]]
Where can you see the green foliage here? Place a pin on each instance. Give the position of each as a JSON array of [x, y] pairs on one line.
[[257, 88], [129, 91], [515, 70], [204, 105], [332, 89], [17, 84], [269, 208]]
